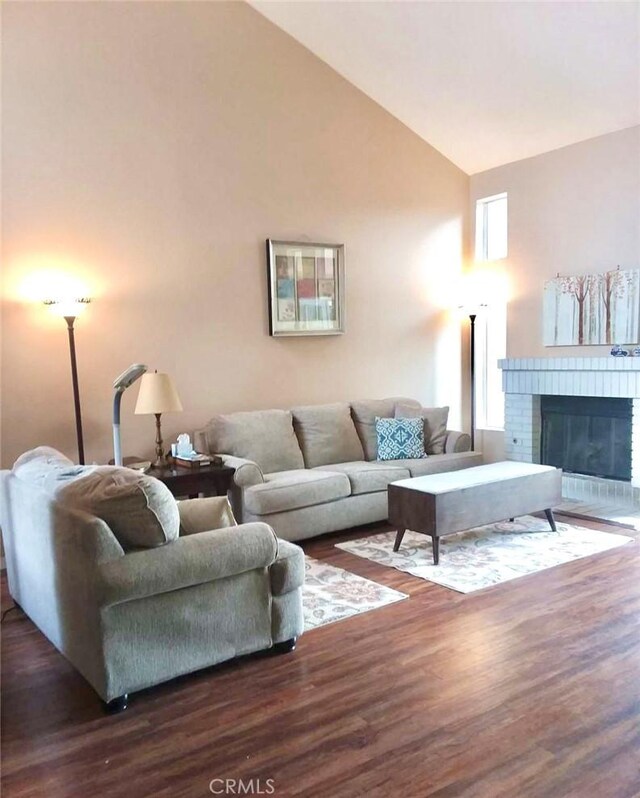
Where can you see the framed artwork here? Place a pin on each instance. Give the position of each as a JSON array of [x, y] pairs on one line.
[[306, 288], [593, 309]]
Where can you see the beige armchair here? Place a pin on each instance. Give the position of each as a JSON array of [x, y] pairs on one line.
[[129, 617]]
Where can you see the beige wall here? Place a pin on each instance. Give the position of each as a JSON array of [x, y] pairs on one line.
[[150, 149], [574, 210]]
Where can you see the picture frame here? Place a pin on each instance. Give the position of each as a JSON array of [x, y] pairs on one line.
[[306, 283]]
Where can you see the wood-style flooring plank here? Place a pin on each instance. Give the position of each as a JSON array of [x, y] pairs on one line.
[[530, 689]]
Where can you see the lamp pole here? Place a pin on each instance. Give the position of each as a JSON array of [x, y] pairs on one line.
[[472, 319], [76, 388], [69, 309]]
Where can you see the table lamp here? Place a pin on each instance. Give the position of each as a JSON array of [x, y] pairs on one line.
[[158, 395]]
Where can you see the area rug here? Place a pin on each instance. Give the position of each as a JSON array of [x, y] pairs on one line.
[[332, 594], [487, 555]]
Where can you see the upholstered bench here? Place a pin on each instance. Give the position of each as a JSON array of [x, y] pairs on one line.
[[440, 504]]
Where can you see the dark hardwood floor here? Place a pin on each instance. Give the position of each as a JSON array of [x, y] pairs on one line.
[[531, 688]]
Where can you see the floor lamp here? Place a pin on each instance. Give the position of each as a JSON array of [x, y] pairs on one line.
[[472, 310], [69, 310], [124, 381], [472, 357]]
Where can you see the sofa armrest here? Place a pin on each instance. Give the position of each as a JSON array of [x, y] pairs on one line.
[[201, 515], [247, 473], [457, 442], [187, 561]]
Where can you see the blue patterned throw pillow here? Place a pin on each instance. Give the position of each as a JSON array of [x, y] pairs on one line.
[[400, 438]]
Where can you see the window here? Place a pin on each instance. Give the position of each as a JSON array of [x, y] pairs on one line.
[[491, 227], [491, 323], [491, 346]]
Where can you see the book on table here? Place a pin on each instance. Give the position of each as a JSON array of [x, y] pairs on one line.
[[196, 460]]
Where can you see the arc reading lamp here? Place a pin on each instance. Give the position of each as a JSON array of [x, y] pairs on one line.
[[124, 381]]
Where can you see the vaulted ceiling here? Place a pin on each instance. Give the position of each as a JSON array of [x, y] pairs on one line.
[[485, 83]]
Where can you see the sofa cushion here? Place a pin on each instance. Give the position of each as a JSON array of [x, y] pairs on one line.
[[326, 434], [400, 438], [435, 424], [368, 477], [202, 515], [457, 442], [290, 490], [140, 510], [364, 415], [264, 436], [437, 463]]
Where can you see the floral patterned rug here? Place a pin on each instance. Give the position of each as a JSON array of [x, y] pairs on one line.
[[487, 555], [332, 594]]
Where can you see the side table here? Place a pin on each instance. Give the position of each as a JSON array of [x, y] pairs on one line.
[[210, 480]]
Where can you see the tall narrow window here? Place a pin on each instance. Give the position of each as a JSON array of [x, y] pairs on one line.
[[491, 227], [491, 346], [491, 325]]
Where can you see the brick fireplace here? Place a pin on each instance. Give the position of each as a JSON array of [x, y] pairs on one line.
[[526, 380]]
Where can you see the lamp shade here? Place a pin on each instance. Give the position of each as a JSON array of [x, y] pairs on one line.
[[69, 306], [157, 395], [482, 287]]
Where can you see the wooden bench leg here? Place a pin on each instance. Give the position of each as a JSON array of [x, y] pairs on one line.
[[399, 536], [435, 542], [551, 519]]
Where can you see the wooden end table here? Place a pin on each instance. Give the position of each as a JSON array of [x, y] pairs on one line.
[[210, 480]]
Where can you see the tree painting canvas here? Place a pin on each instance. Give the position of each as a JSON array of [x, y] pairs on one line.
[[593, 309]]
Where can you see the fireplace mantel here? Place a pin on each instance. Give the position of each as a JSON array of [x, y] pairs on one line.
[[572, 376], [609, 363]]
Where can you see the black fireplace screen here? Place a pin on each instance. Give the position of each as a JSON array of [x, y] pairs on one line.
[[587, 435]]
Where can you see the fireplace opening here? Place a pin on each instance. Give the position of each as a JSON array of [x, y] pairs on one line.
[[587, 435]]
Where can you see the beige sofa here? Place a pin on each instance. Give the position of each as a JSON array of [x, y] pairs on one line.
[[135, 588], [312, 470]]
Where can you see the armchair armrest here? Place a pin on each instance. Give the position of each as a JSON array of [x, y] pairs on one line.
[[287, 572], [457, 442], [201, 515], [247, 472], [187, 561]]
